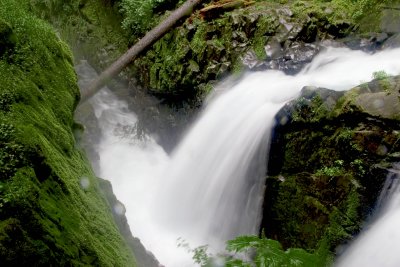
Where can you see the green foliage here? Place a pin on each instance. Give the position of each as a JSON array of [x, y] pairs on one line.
[[139, 15], [188, 59], [345, 135], [364, 7], [318, 182], [359, 166], [380, 75], [342, 12], [332, 171], [92, 28], [246, 251], [12, 153], [344, 220], [338, 13], [265, 27], [7, 38], [46, 218], [200, 254], [216, 45], [309, 109], [45, 7]]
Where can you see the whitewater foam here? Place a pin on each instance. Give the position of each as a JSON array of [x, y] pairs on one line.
[[210, 189]]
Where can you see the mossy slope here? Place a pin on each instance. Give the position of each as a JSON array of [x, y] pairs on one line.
[[51, 211], [92, 28]]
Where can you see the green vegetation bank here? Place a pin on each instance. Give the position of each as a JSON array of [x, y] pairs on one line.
[[52, 212]]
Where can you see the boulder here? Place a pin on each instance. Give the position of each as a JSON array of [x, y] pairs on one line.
[[330, 154], [390, 22], [187, 61]]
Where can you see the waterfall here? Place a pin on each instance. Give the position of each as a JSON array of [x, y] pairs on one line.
[[210, 188], [378, 244]]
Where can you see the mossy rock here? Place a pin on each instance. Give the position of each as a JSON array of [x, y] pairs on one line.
[[379, 98], [328, 161], [194, 56]]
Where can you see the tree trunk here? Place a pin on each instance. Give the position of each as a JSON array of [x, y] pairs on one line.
[[152, 36]]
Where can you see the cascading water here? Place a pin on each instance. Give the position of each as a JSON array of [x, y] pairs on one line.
[[210, 188], [378, 244]]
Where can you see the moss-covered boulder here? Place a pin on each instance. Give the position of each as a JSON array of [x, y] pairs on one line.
[[189, 59], [330, 156], [52, 212]]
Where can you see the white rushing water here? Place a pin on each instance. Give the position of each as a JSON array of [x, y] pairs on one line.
[[378, 244], [210, 188]]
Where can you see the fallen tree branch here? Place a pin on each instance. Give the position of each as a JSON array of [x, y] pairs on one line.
[[152, 36], [215, 9]]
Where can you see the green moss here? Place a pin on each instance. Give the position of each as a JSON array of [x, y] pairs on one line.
[[46, 218], [197, 42], [329, 177], [340, 11], [216, 45], [200, 52], [344, 221], [314, 207], [92, 28], [7, 38], [384, 82], [266, 26]]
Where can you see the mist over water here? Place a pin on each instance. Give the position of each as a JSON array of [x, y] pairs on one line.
[[210, 188]]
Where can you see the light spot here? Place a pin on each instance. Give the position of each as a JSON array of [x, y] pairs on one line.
[[218, 261], [119, 209], [382, 150], [378, 103], [84, 182], [283, 120]]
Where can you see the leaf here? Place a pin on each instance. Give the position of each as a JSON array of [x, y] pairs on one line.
[[242, 243]]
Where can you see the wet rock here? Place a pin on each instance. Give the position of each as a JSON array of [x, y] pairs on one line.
[[334, 150], [333, 43], [379, 98], [359, 43], [273, 49], [257, 37], [392, 42], [285, 11], [251, 61], [390, 22], [292, 59]]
